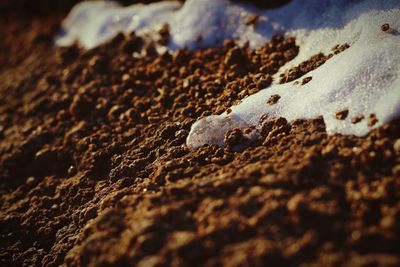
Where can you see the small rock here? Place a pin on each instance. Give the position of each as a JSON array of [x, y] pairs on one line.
[[234, 56], [342, 114], [306, 80], [396, 146], [30, 180], [387, 222], [372, 120], [233, 137], [295, 203], [385, 27], [264, 82], [98, 64], [114, 112], [357, 119], [273, 99], [252, 19], [396, 170], [71, 170]]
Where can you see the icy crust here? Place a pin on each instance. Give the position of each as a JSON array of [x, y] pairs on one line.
[[364, 79]]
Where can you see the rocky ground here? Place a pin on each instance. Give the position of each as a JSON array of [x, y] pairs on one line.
[[94, 170]]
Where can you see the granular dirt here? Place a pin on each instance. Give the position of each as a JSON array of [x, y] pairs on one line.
[[95, 171]]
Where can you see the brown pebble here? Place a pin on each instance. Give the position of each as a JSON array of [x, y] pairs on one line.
[[295, 203], [342, 114], [396, 170], [385, 27], [306, 80], [98, 63], [338, 49], [372, 120], [396, 146], [252, 19], [264, 82], [234, 56], [30, 180], [125, 77], [357, 119], [233, 137], [71, 170], [247, 130], [273, 99]]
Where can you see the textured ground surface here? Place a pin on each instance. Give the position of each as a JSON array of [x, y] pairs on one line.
[[94, 170]]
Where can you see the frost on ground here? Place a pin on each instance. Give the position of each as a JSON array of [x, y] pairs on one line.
[[364, 79]]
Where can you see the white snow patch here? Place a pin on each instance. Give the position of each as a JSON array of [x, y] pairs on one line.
[[364, 79], [91, 23]]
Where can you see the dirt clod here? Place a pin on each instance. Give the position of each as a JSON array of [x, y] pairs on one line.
[[385, 27], [342, 114], [372, 120], [252, 19], [273, 99], [306, 80], [357, 119]]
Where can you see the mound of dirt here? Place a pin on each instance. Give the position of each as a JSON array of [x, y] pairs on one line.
[[94, 170]]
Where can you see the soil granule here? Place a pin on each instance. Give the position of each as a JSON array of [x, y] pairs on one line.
[[94, 170]]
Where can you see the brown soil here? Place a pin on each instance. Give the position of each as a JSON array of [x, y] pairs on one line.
[[309, 65], [94, 170]]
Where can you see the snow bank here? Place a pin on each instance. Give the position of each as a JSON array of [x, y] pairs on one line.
[[364, 79]]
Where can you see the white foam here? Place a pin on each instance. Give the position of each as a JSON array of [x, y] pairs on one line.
[[364, 78]]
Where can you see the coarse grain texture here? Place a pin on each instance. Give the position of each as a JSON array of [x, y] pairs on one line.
[[94, 169]]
